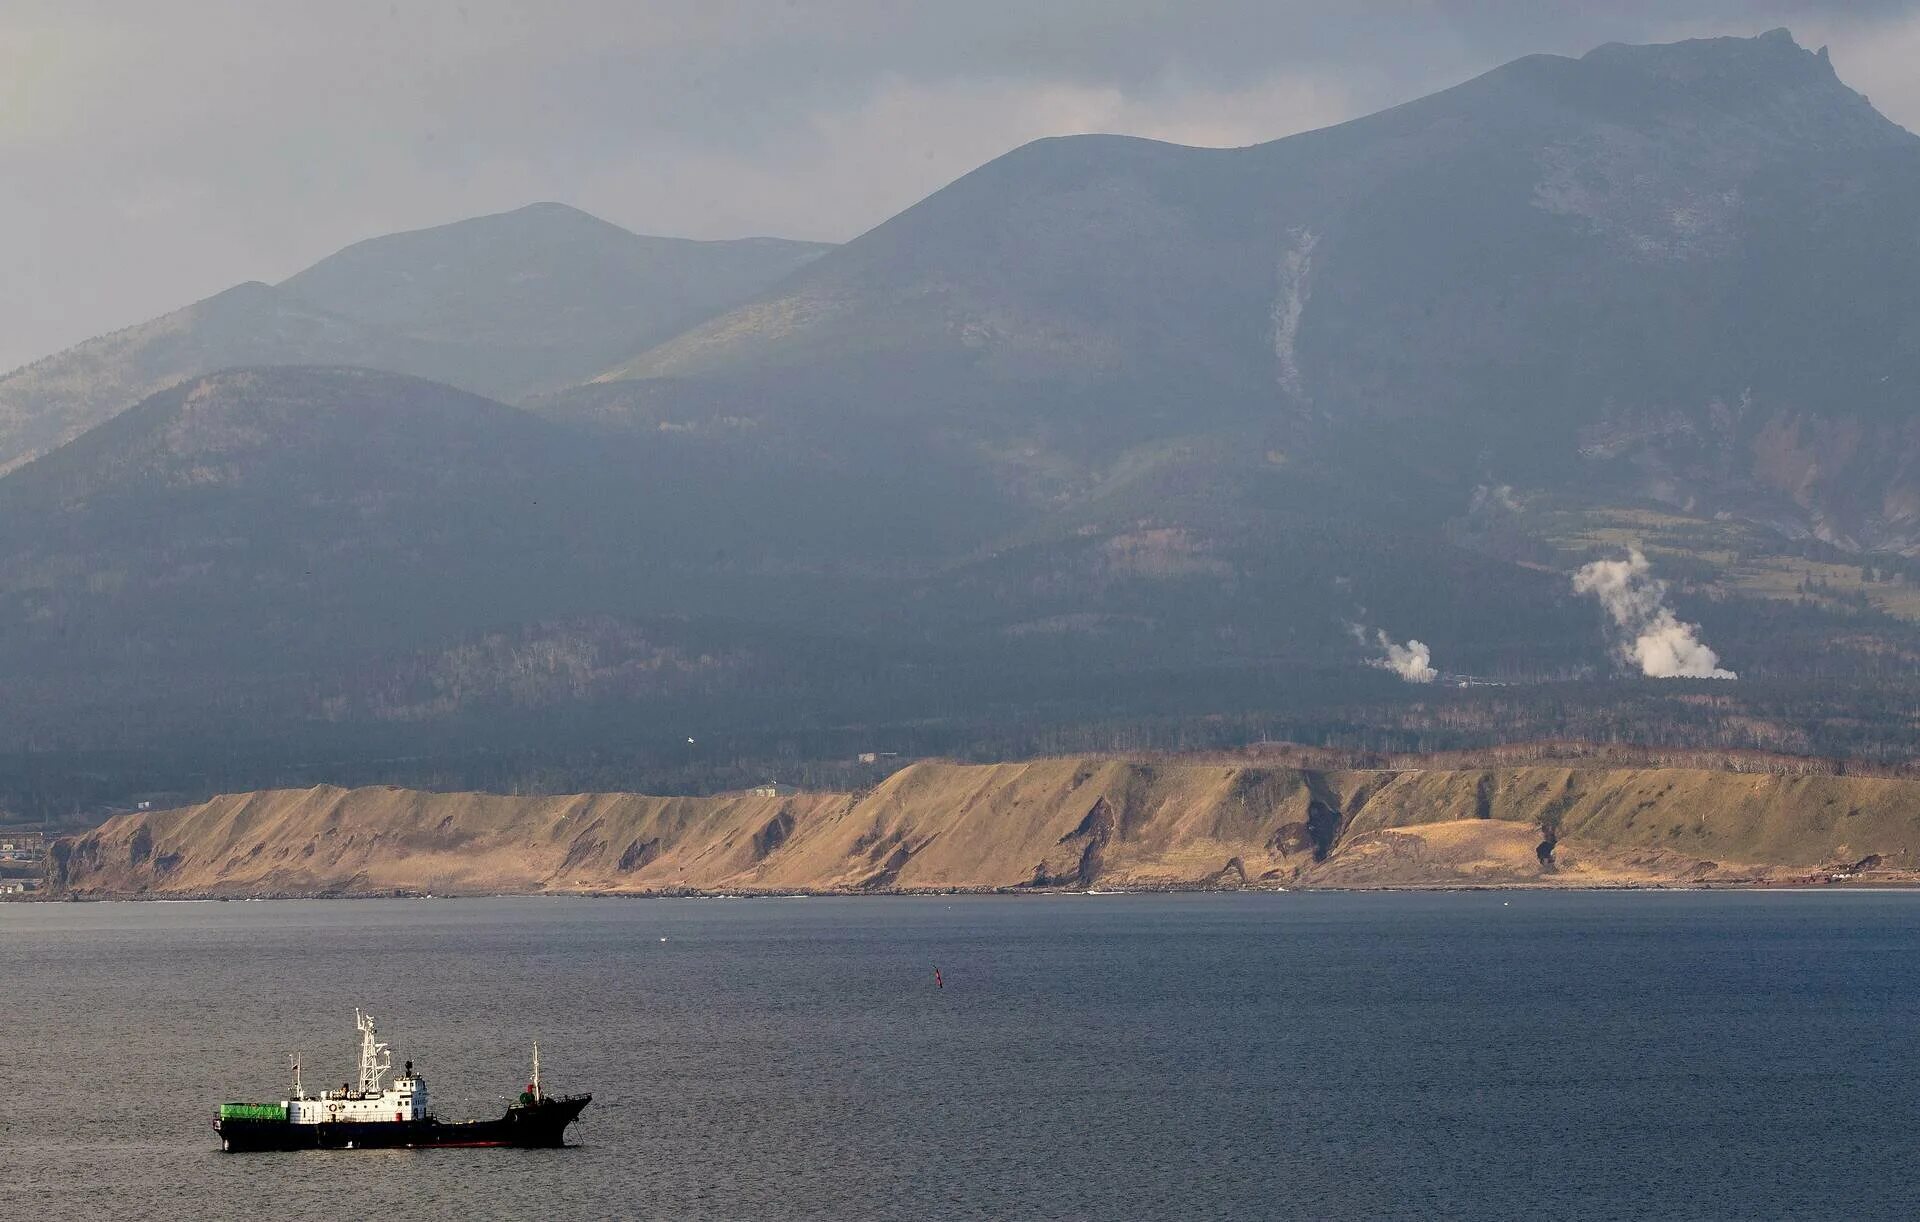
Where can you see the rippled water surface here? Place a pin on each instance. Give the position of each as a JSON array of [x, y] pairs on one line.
[[1255, 1056]]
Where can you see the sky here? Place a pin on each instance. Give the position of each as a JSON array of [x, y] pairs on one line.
[[154, 154]]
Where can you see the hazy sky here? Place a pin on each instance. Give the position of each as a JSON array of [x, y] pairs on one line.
[[152, 154]]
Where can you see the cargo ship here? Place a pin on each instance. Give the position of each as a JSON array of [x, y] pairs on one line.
[[374, 1116]]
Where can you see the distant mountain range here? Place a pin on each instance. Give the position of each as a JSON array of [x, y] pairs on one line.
[[503, 305], [1109, 437]]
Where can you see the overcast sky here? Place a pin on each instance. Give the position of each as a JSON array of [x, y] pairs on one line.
[[152, 154]]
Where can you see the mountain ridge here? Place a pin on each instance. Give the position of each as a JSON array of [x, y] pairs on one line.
[[1108, 442], [501, 305], [1589, 232]]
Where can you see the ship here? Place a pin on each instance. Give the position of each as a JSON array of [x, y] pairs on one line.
[[376, 1116]]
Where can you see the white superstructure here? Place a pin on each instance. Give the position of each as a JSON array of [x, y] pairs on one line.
[[369, 1102]]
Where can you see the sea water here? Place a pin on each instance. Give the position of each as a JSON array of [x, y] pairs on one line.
[[1471, 1055]]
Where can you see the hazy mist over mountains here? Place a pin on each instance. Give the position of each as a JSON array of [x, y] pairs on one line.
[[1110, 441], [504, 305]]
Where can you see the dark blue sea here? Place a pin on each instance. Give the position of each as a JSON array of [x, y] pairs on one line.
[[1470, 1055]]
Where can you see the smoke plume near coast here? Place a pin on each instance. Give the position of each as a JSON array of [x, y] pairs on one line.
[[1651, 636]]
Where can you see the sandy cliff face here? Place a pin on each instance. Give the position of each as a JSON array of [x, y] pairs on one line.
[[1058, 823]]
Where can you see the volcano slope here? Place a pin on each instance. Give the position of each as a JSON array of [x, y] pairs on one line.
[[1681, 271], [1109, 441]]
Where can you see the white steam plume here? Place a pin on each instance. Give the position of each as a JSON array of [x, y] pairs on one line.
[[1412, 661], [1652, 636]]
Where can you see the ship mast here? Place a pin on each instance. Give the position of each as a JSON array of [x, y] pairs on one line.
[[375, 1060], [294, 1058], [536, 1071]]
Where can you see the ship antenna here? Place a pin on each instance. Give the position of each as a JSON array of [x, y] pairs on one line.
[[375, 1061]]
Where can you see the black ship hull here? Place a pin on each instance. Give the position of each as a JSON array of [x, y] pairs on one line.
[[526, 1126]]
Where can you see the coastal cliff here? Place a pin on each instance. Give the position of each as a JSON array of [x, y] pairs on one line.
[[1073, 823]]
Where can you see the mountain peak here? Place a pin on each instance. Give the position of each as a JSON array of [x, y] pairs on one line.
[[555, 208], [1768, 82], [545, 217], [1773, 54]]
